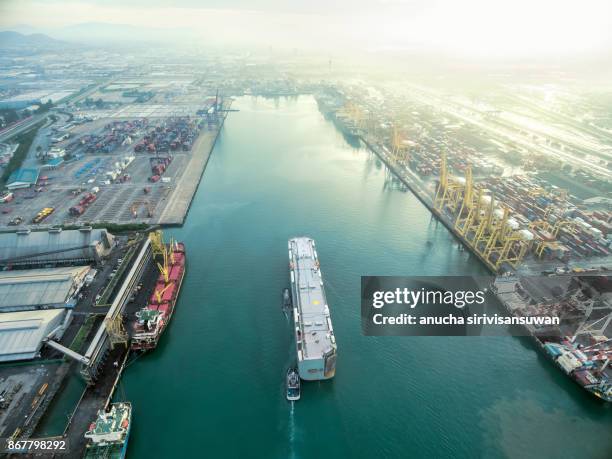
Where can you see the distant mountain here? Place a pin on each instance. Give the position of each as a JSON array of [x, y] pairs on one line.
[[11, 39], [24, 29], [88, 34]]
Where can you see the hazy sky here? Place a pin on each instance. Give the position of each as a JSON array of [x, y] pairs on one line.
[[473, 28]]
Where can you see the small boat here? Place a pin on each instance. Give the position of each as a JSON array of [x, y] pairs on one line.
[[286, 299], [293, 384]]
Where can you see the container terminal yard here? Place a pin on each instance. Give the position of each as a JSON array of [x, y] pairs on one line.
[[115, 167]]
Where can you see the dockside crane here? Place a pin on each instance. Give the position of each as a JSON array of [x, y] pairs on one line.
[[449, 189], [487, 228], [399, 148], [466, 213], [485, 225], [355, 115]]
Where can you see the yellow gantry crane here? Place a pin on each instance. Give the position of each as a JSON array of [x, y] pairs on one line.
[[353, 113], [496, 237], [483, 224], [449, 191], [466, 211], [507, 243], [544, 236], [514, 249], [547, 234], [469, 216], [399, 148], [487, 229], [569, 224]]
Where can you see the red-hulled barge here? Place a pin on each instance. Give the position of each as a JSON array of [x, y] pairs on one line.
[[153, 319]]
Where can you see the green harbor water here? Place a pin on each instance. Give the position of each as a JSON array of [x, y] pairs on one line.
[[215, 385]]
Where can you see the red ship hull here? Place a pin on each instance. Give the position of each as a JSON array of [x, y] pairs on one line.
[[163, 299]]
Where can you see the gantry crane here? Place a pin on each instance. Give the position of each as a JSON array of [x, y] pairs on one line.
[[483, 225], [355, 115], [488, 230], [507, 244], [547, 234], [465, 213], [449, 190], [545, 238], [468, 225], [561, 224], [399, 148], [515, 247]]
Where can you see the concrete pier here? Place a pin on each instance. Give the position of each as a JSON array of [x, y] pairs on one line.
[[178, 202]]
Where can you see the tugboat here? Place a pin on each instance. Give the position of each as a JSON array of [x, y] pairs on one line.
[[293, 385], [286, 301]]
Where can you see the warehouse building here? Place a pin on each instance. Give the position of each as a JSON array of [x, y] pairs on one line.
[[22, 333], [26, 290], [26, 248]]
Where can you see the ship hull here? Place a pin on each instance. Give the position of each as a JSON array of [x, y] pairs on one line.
[[315, 342], [151, 342], [123, 453], [543, 344], [314, 370]]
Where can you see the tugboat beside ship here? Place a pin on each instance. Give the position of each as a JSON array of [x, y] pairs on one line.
[[293, 385]]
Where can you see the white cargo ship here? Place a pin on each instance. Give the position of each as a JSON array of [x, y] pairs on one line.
[[314, 336]]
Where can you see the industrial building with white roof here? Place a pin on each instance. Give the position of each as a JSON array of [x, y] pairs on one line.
[[27, 248], [40, 288], [22, 333], [35, 304]]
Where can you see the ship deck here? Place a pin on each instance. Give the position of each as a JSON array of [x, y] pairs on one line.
[[309, 299], [109, 423]]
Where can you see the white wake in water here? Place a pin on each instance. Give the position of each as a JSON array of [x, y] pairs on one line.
[[292, 432]]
